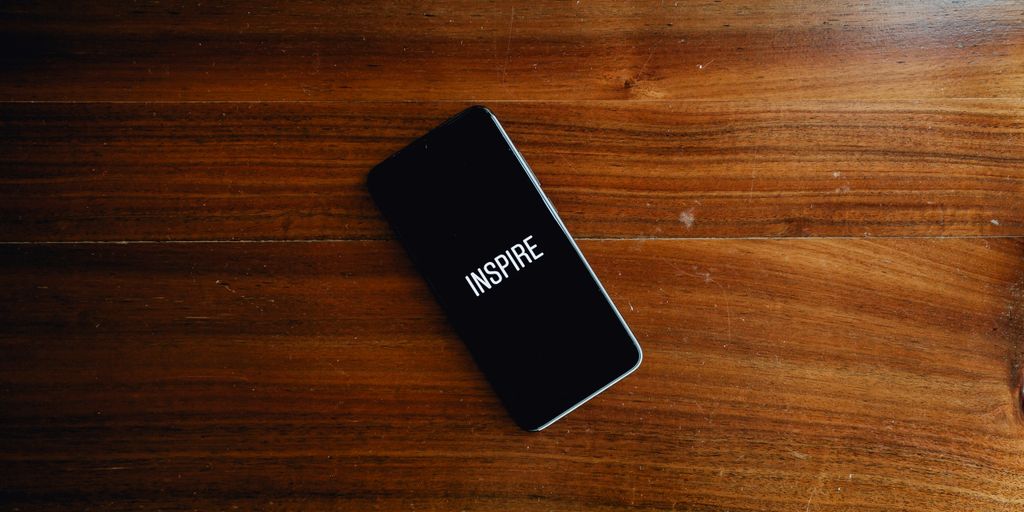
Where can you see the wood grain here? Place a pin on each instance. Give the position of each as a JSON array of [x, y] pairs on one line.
[[185, 171], [804, 374], [809, 213], [465, 50]]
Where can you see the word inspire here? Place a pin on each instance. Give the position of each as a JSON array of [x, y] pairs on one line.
[[494, 272]]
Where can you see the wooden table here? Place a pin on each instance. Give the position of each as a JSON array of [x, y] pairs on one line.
[[809, 212]]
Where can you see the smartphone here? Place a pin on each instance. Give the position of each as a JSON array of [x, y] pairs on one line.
[[509, 277]]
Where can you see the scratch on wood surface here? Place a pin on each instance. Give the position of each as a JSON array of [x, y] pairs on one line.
[[639, 75], [1012, 321], [508, 47], [706, 277], [819, 483], [643, 68], [728, 311]]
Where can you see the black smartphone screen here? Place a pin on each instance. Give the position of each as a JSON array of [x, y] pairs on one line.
[[508, 275]]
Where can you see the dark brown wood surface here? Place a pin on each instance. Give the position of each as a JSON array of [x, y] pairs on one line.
[[810, 214], [407, 50], [185, 171], [777, 374]]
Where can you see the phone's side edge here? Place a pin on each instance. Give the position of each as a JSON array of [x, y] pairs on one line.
[[586, 264]]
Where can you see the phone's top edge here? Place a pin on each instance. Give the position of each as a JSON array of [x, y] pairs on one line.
[[462, 113]]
